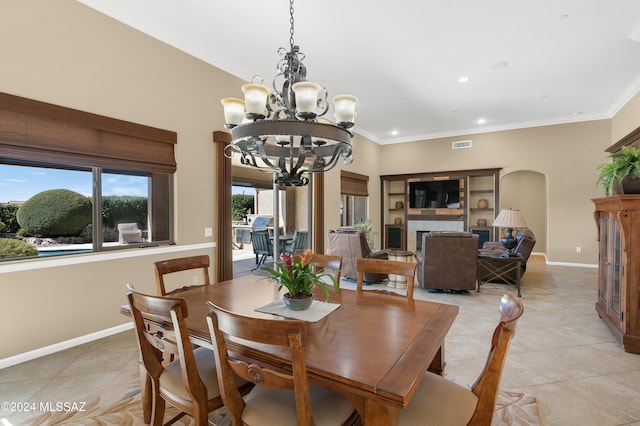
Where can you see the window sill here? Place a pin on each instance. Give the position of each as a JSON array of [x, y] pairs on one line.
[[139, 251]]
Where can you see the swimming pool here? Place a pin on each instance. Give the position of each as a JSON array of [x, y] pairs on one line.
[[43, 253]]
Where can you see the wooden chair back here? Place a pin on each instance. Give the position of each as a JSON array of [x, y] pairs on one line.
[[300, 242], [382, 266], [169, 266], [487, 385], [289, 333], [326, 261], [162, 333], [330, 264]]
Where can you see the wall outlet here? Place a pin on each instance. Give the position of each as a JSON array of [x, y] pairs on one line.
[[208, 232], [578, 249]]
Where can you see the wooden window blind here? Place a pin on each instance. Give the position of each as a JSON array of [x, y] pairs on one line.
[[36, 131], [353, 184]]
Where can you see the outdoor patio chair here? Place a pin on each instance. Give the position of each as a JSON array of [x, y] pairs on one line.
[[262, 247]]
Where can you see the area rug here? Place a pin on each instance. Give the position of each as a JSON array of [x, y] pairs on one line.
[[120, 405]]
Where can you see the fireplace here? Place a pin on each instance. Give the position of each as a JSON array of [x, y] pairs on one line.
[[419, 239], [415, 229]]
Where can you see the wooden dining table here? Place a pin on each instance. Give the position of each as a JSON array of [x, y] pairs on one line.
[[374, 349]]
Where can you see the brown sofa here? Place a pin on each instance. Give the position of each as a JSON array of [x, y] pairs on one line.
[[525, 241], [448, 261], [350, 244]]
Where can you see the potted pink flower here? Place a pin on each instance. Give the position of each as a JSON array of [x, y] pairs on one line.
[[295, 272]]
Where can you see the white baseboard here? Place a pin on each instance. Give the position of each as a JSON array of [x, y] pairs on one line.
[[579, 265], [57, 347]]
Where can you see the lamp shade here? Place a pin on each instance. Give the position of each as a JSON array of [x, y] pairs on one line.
[[345, 108], [306, 96], [255, 98], [510, 219], [233, 110]]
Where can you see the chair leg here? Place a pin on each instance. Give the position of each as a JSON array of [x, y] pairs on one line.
[[201, 416], [261, 262], [146, 394], [158, 409]]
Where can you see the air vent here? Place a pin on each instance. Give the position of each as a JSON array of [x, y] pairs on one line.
[[461, 144]]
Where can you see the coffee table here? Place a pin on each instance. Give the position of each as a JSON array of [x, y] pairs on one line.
[[500, 268]]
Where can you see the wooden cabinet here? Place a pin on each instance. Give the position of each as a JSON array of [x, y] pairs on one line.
[[394, 213], [483, 203], [618, 223], [400, 207], [394, 237]]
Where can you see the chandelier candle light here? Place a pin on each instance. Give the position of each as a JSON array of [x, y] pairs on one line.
[[282, 130]]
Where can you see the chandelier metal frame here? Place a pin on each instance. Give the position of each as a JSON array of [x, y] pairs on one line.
[[287, 139]]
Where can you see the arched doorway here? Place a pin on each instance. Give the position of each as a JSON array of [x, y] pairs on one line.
[[526, 190]]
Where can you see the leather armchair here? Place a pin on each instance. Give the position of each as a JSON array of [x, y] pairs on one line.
[[448, 261], [350, 244], [525, 241]]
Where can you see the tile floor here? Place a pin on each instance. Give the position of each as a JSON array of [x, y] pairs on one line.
[[563, 354]]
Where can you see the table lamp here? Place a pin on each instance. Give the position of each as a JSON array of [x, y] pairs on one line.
[[510, 220]]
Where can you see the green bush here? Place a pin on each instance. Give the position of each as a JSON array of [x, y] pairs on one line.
[[8, 217], [56, 212], [108, 234], [241, 206], [1, 227], [10, 248], [119, 209]]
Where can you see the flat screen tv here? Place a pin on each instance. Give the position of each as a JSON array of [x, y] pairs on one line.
[[436, 194]]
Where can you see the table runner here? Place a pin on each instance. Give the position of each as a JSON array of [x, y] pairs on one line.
[[316, 311]]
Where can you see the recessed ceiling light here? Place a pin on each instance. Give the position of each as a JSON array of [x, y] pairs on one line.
[[394, 133], [463, 79], [481, 121], [577, 113], [499, 65]]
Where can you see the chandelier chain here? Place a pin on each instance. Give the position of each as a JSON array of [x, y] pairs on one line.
[[291, 43]]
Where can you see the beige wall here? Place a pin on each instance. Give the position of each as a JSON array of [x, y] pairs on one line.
[[365, 160], [626, 120], [567, 155], [527, 191], [65, 53]]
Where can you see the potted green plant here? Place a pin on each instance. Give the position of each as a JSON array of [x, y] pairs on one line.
[[623, 170], [295, 273], [367, 228]]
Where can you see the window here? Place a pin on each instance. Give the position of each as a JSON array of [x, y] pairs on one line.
[[127, 200], [353, 210], [353, 199], [124, 172]]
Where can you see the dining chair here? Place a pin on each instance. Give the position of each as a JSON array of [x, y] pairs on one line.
[[330, 264], [262, 246], [439, 401], [189, 383], [170, 266], [382, 266], [282, 395], [299, 243]]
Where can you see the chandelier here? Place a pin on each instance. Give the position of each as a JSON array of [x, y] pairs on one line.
[[282, 130]]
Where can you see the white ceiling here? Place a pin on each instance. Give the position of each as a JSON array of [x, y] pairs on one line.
[[566, 60]]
